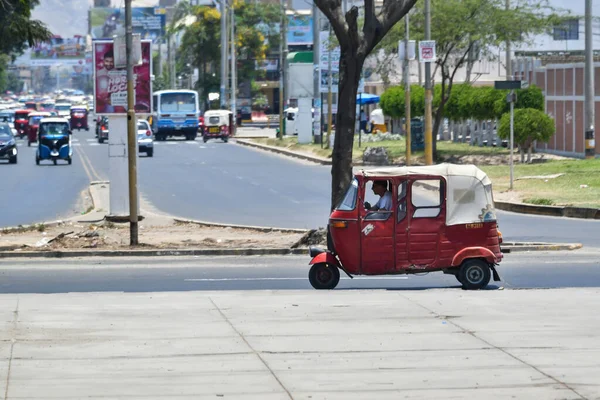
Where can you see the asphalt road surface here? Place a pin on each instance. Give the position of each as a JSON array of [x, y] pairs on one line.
[[217, 182], [518, 271]]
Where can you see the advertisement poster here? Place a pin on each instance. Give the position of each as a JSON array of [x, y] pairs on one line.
[[110, 83], [149, 22], [326, 51], [64, 51], [300, 30]]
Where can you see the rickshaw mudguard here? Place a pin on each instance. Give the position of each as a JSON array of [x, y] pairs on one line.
[[474, 252], [325, 257]]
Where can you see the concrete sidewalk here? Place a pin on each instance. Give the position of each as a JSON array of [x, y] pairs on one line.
[[435, 344]]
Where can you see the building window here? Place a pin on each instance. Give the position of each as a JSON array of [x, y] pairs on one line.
[[568, 30]]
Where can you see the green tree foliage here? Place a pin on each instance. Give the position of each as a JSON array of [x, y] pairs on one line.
[[17, 29], [464, 30], [530, 125], [532, 97], [256, 32], [392, 101]]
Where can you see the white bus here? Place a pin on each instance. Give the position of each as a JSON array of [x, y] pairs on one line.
[[175, 113]]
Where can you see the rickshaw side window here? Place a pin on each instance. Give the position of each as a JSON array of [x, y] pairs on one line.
[[401, 214], [426, 198], [349, 201]]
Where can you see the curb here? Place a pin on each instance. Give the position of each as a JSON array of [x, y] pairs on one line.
[[511, 248], [514, 247], [551, 211], [151, 253], [255, 228], [305, 157]]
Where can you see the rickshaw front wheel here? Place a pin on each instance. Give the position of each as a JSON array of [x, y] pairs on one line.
[[324, 276], [474, 274]]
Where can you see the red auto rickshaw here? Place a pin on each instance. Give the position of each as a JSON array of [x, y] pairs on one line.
[[79, 118], [33, 125], [21, 121], [440, 218]]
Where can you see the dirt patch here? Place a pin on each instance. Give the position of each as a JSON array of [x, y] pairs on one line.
[[108, 236]]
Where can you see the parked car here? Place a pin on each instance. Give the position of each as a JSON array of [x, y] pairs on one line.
[[8, 144], [144, 135], [102, 129]]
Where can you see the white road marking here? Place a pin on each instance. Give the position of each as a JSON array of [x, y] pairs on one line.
[[192, 142], [95, 144], [377, 278], [91, 140], [240, 177], [76, 144]]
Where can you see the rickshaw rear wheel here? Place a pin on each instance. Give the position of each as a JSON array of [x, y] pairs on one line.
[[324, 276], [70, 160], [474, 274]]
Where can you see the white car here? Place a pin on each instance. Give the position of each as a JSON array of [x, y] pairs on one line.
[[144, 135]]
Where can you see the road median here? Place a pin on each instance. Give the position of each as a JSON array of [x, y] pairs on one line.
[[145, 251]]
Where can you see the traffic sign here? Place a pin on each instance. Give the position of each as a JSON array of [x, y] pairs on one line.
[[427, 50], [507, 85]]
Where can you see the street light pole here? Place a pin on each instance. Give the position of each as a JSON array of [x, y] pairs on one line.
[[223, 51], [281, 67], [590, 145], [317, 72], [233, 66], [407, 92], [428, 95], [512, 107], [131, 130]]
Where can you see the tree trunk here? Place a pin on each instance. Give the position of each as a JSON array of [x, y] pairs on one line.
[[341, 161], [529, 151], [522, 153]]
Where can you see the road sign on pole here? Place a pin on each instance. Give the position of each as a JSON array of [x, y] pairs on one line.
[[507, 85], [427, 51]]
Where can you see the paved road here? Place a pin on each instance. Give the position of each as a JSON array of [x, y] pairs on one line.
[[519, 270], [219, 182]]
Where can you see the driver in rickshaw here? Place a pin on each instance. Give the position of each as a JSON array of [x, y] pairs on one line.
[[380, 188]]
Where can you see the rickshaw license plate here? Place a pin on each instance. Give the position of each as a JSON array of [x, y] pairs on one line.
[[213, 129]]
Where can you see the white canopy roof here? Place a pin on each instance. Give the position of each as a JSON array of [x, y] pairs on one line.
[[445, 170]]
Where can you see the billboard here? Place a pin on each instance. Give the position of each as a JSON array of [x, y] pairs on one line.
[[58, 50], [300, 30], [149, 22], [325, 52], [110, 83]]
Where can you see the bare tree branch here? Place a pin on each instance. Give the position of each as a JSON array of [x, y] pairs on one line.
[[332, 9], [392, 12], [371, 27]]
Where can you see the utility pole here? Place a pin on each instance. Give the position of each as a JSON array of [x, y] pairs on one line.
[[407, 92], [590, 145], [131, 131], [512, 107], [223, 52], [282, 45], [317, 72], [233, 66], [428, 95], [329, 94]]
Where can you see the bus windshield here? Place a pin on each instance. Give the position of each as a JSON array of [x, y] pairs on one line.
[[173, 102]]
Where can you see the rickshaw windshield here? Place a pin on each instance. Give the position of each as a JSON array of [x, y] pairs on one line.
[[54, 129], [349, 201]]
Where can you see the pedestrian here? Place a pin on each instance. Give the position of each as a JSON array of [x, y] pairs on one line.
[[363, 120]]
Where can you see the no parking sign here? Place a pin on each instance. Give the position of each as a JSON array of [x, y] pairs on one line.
[[427, 50]]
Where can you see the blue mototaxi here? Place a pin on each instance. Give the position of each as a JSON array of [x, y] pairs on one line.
[[54, 141]]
